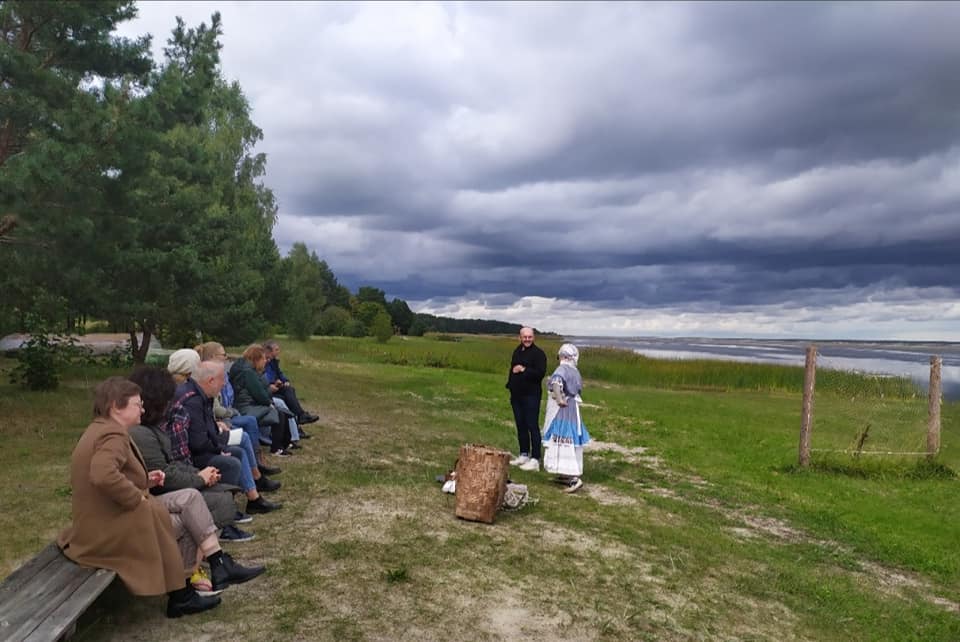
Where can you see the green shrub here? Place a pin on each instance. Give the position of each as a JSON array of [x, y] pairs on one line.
[[381, 327], [333, 321], [417, 328], [355, 328], [40, 362]]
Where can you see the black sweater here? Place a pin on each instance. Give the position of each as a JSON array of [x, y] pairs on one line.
[[527, 383]]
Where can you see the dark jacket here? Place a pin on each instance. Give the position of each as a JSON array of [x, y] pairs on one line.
[[248, 385], [154, 445], [527, 383], [206, 440], [272, 372]]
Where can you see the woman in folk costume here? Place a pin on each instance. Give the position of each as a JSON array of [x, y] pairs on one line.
[[564, 434]]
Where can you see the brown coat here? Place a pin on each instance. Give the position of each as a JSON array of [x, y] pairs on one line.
[[117, 524]]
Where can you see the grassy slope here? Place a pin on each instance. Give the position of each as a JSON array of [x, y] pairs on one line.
[[709, 534]]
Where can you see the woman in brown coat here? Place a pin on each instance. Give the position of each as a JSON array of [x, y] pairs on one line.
[[117, 523]]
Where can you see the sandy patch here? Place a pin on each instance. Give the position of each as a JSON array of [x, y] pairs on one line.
[[606, 496]]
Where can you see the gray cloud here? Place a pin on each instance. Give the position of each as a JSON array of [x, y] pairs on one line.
[[696, 156]]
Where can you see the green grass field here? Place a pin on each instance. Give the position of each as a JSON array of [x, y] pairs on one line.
[[694, 522]]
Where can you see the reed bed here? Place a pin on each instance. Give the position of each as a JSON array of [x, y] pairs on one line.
[[622, 367]]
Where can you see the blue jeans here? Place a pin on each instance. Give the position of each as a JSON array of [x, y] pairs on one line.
[[229, 468], [249, 425], [244, 454], [526, 414]]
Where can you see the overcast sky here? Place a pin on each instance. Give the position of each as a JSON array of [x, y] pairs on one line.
[[691, 169]]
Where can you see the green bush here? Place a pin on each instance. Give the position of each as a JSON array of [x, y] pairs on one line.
[[417, 328], [40, 362], [333, 321], [355, 328], [381, 327]]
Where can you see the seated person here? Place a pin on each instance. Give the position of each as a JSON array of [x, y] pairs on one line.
[[281, 387], [196, 438], [181, 363], [117, 523], [253, 397], [223, 408], [156, 392], [197, 540]]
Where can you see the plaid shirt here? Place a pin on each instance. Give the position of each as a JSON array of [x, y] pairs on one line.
[[178, 425]]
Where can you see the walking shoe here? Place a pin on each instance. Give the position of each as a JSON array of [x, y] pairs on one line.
[[231, 533], [269, 470], [307, 418], [261, 505], [574, 486], [531, 464], [201, 583], [242, 518], [192, 603], [281, 452], [303, 433], [267, 485], [519, 461], [294, 445], [228, 572]]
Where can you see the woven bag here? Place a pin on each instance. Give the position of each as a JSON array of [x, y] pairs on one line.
[[481, 482]]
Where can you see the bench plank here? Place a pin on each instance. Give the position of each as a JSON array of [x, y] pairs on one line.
[[66, 615], [25, 573], [48, 586]]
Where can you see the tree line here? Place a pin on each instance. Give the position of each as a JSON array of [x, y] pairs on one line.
[[131, 194]]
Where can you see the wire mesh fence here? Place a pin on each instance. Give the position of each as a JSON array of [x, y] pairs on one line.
[[873, 416]]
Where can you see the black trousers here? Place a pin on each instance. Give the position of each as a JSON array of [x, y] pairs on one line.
[[526, 413], [289, 396]]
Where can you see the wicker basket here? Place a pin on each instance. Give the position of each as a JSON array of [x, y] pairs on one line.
[[481, 482]]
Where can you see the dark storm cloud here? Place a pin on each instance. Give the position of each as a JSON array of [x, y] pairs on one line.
[[697, 156]]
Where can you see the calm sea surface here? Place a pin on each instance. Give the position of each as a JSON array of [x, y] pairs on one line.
[[906, 359]]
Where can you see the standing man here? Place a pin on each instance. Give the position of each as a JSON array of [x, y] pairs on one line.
[[528, 366]]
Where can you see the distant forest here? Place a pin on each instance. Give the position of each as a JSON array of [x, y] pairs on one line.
[[467, 326]]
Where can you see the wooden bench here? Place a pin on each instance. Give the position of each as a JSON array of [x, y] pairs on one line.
[[42, 600]]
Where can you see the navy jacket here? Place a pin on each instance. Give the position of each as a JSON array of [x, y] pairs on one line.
[[206, 440], [272, 372]]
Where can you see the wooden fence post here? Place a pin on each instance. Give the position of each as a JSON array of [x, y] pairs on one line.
[[933, 408], [806, 418]]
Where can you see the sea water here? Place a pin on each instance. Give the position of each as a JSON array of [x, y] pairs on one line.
[[901, 359]]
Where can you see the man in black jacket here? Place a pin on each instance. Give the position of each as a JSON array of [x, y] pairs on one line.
[[528, 366], [207, 438]]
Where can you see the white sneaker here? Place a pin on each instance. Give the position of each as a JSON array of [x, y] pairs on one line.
[[519, 461], [531, 464], [574, 487]]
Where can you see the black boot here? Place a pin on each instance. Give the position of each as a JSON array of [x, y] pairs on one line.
[[188, 601], [269, 470], [261, 505], [267, 485], [228, 572]]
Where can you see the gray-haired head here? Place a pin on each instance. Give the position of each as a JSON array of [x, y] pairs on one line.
[[209, 376]]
